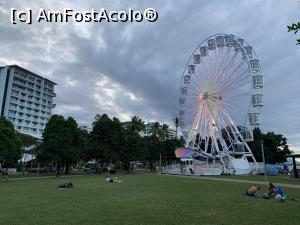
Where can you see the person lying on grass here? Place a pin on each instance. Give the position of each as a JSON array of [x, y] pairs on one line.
[[252, 191], [66, 185], [111, 180]]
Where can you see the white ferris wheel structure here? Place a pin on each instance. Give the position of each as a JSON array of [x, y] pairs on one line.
[[220, 99]]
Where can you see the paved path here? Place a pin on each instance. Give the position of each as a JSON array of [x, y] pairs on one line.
[[42, 177], [235, 180]]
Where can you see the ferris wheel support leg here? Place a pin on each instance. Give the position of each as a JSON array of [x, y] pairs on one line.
[[249, 153]]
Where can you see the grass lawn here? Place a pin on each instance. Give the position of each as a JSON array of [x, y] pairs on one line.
[[141, 199]]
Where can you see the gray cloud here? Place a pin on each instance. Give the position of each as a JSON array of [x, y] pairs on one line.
[[126, 69]]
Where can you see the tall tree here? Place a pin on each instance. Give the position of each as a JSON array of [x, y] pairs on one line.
[[60, 142], [72, 152], [106, 139], [133, 150], [275, 146], [10, 143], [83, 144], [168, 148], [153, 149]]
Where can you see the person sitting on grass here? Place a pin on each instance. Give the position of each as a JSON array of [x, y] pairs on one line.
[[252, 191], [66, 185]]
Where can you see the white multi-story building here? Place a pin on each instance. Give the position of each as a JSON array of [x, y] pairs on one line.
[[171, 134], [26, 99]]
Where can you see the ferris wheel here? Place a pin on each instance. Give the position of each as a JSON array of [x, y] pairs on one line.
[[220, 97]]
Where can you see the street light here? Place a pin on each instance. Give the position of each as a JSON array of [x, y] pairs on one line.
[[263, 156]]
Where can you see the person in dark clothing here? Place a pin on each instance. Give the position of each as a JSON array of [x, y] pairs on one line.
[[66, 185], [272, 190]]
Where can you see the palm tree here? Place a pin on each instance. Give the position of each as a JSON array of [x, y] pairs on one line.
[[97, 118], [155, 129], [136, 124], [164, 131], [176, 121]]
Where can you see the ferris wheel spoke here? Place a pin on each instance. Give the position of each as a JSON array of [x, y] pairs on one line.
[[230, 74], [226, 85], [221, 64], [214, 63], [224, 75], [234, 106], [233, 95], [237, 117], [196, 86], [215, 68], [226, 61], [230, 105], [235, 85], [204, 74]]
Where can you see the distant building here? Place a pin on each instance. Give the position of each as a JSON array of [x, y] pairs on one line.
[[172, 134], [86, 127], [26, 99], [148, 129], [126, 124]]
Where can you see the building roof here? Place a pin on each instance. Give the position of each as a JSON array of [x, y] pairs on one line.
[[28, 71]]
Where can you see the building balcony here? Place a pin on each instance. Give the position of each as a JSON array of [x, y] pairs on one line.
[[20, 83], [14, 94], [13, 108]]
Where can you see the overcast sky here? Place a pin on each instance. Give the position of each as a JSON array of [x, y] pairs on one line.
[[126, 69]]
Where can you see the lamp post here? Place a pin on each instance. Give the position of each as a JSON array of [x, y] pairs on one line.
[[160, 162], [263, 156]]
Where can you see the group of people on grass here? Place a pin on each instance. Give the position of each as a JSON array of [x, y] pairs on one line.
[[107, 180], [273, 191]]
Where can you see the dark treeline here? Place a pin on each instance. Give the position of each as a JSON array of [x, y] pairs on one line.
[[110, 142]]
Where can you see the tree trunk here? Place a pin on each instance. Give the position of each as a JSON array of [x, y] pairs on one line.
[[127, 167], [151, 166], [57, 169], [67, 169]]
